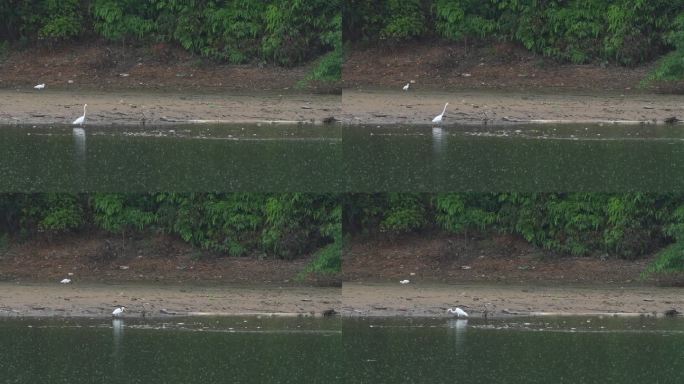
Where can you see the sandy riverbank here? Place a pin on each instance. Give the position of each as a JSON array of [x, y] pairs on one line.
[[354, 299], [506, 107], [98, 300], [26, 106], [416, 300]]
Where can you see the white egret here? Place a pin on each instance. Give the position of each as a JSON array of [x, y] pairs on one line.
[[406, 87], [457, 311], [438, 119], [118, 312], [81, 120], [404, 282], [40, 86], [65, 281]]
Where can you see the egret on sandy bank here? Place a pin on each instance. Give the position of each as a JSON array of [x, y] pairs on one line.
[[404, 282], [65, 281], [81, 120], [118, 312], [457, 311], [406, 87], [438, 118], [40, 86]]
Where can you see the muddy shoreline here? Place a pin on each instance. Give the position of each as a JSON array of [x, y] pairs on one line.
[[152, 301], [432, 300], [475, 107], [353, 300], [26, 106], [353, 107]]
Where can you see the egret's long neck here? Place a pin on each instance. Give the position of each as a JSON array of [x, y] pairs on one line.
[[84, 109], [444, 110]]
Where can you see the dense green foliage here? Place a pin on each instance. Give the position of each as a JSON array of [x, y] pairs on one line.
[[280, 225], [288, 225], [672, 65], [627, 225], [329, 67], [285, 32], [45, 19], [622, 31]]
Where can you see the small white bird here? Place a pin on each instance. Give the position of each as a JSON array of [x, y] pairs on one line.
[[404, 282], [118, 312], [406, 87], [457, 311], [81, 120], [40, 86], [65, 281], [438, 119]]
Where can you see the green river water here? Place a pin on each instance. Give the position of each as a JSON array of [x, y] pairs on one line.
[[251, 350], [250, 158], [226, 350]]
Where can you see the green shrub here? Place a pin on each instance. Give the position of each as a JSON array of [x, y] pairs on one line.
[[121, 19], [64, 19], [459, 19], [458, 212], [329, 66], [61, 213], [406, 212], [224, 223], [41, 19], [298, 223], [407, 19], [671, 66], [328, 260], [121, 213], [295, 28], [45, 212], [671, 259]]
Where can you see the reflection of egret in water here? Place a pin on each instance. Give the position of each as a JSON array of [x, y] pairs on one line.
[[438, 140], [457, 329], [118, 330], [79, 142], [79, 136]]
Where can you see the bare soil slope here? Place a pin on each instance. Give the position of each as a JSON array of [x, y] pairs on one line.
[[161, 258], [499, 259], [102, 65], [441, 65]]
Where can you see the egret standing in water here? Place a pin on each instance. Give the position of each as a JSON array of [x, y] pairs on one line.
[[458, 312], [81, 120], [406, 87], [40, 86], [438, 119], [118, 312]]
